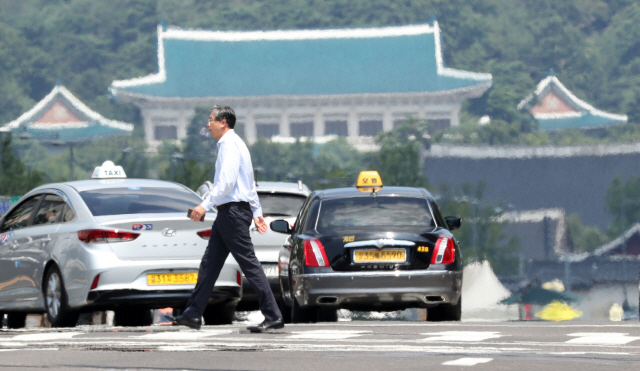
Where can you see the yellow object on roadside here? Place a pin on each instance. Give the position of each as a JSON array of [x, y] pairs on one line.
[[558, 311]]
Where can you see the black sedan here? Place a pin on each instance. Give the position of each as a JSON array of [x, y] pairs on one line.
[[370, 251]]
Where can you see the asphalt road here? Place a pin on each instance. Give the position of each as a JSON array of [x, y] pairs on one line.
[[365, 345]]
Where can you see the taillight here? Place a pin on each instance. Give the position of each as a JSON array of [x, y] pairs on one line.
[[444, 252], [205, 235], [314, 254], [105, 235], [95, 282], [239, 278]]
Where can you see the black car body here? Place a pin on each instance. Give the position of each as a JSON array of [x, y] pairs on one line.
[[388, 250]]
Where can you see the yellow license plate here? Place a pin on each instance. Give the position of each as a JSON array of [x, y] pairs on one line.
[[172, 278], [383, 256]]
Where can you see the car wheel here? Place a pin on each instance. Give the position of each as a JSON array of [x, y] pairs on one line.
[[219, 314], [445, 312], [285, 310], [327, 314], [1, 319], [16, 320], [300, 314], [56, 301], [133, 316]]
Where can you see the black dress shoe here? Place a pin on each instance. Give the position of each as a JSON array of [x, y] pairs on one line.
[[192, 322], [267, 325]]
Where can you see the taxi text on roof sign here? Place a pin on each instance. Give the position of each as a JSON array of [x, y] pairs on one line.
[[108, 170], [369, 181]]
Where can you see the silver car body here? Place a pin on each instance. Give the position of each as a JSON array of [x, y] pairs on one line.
[[167, 243], [267, 245]]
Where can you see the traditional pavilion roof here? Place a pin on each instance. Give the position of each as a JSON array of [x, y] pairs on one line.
[[555, 107], [199, 63], [62, 116]]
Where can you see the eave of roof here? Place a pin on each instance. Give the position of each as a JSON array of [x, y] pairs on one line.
[[95, 124], [586, 116], [398, 59]]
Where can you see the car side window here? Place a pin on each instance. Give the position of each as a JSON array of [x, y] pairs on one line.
[[302, 216], [50, 211], [313, 215], [19, 217], [68, 215]]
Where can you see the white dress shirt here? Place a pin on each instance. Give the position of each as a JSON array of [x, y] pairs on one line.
[[233, 181]]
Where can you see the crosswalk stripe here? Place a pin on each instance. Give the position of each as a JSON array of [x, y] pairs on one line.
[[601, 338], [327, 334], [468, 336], [467, 361], [183, 335]]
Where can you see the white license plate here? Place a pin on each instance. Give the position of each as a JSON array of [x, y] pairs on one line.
[[270, 270]]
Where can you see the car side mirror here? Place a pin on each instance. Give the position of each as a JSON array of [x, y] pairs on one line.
[[281, 226], [453, 222]]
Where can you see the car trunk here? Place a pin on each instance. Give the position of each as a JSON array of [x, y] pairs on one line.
[[341, 250], [162, 236], [268, 245]]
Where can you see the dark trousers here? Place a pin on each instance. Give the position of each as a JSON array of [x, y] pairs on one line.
[[230, 234]]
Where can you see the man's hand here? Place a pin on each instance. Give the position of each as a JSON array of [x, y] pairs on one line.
[[261, 225], [197, 213]]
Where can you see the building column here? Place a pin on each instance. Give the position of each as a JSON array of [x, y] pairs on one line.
[[183, 122], [284, 124], [455, 116], [387, 119], [148, 125], [352, 123], [250, 128], [318, 124]]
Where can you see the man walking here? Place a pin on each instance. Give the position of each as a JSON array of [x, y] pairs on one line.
[[234, 194]]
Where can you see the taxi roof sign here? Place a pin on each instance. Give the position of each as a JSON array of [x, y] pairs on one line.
[[369, 181], [108, 170]]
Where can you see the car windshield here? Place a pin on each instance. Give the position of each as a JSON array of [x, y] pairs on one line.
[[278, 204], [379, 212], [135, 200]]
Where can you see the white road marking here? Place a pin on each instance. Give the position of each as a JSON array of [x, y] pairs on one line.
[[327, 334], [44, 336], [467, 336], [601, 338], [183, 335], [181, 348], [467, 361]]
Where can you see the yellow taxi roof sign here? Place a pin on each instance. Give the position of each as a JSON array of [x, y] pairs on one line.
[[369, 181]]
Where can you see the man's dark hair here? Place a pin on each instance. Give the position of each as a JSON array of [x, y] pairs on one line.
[[225, 113]]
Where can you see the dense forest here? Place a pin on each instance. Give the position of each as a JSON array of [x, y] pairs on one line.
[[593, 46]]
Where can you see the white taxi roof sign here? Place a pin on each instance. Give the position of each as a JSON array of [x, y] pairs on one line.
[[369, 181], [108, 170]]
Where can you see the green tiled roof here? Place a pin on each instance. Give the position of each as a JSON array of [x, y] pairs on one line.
[[308, 62], [585, 116], [86, 125]]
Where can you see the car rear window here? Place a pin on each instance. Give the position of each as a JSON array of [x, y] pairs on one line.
[[377, 213], [118, 201], [278, 204]]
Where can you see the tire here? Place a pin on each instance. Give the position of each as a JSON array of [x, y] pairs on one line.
[[445, 312], [16, 320], [327, 314], [286, 311], [301, 314], [219, 314], [56, 301], [1, 319], [133, 316]]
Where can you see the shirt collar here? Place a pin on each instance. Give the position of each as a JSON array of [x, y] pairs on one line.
[[225, 136]]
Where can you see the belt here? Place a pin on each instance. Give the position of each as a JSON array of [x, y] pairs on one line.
[[239, 203]]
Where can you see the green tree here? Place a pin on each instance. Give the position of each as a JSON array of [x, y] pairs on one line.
[[623, 202], [481, 235], [399, 160], [15, 178], [582, 238]]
